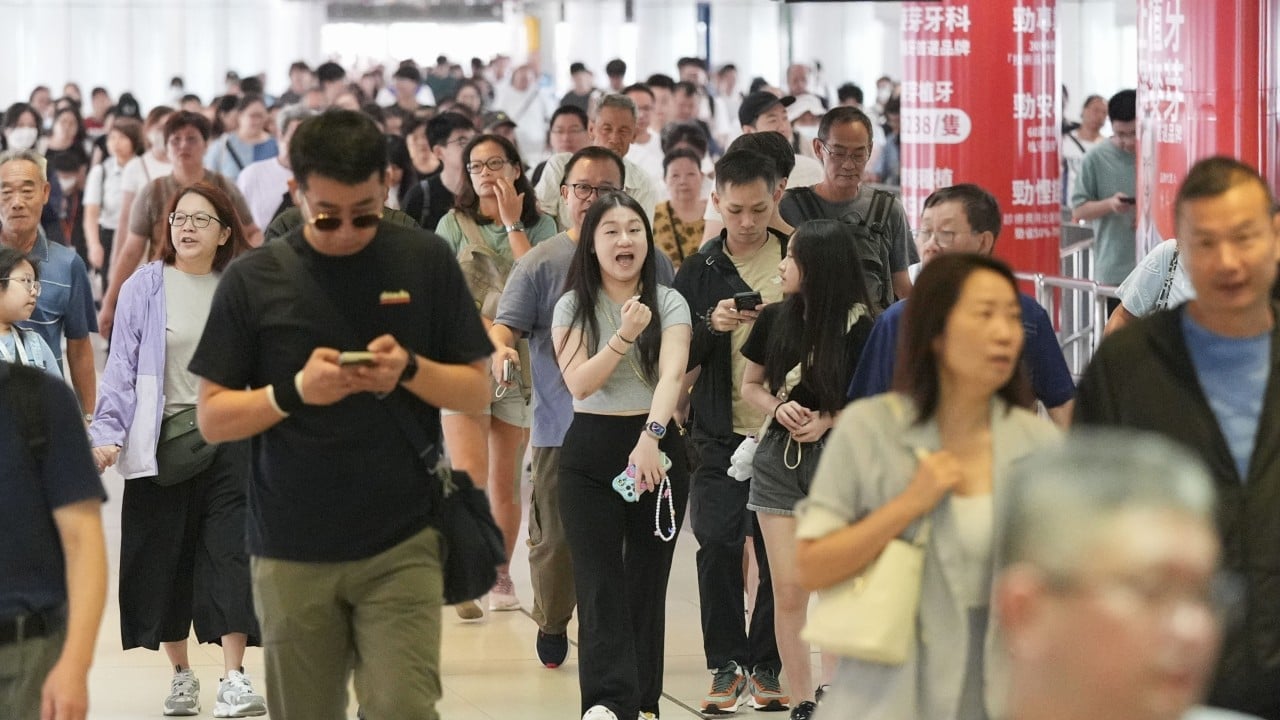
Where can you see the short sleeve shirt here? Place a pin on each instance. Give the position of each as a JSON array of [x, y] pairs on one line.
[[32, 564], [141, 170], [1105, 171], [495, 235], [338, 482], [625, 390], [65, 306], [1140, 292], [759, 347]]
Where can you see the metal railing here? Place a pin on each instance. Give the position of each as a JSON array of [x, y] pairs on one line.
[[1077, 305]]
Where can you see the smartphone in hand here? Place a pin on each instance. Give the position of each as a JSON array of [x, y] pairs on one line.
[[355, 357], [748, 300]]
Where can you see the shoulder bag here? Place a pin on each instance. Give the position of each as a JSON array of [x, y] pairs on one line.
[[872, 616], [473, 547], [181, 453]]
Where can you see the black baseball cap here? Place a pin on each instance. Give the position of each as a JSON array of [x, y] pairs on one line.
[[496, 119], [758, 102]]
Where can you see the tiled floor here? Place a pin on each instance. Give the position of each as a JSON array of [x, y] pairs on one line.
[[490, 668]]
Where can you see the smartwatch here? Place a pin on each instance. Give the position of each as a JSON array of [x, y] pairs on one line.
[[410, 368], [656, 429], [516, 226]]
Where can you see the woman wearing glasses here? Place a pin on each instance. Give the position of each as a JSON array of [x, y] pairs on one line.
[[182, 553], [19, 288], [493, 223], [622, 344]]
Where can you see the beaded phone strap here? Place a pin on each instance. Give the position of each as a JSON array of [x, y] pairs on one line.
[[664, 493]]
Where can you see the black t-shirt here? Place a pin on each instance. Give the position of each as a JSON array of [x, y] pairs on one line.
[[32, 566], [415, 203], [339, 482], [759, 345]]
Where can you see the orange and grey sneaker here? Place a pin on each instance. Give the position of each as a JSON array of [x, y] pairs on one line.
[[728, 691], [766, 691]]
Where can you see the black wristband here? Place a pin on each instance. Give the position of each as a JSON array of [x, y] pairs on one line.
[[286, 393]]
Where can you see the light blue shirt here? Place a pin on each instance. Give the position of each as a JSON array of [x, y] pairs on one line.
[[1233, 374]]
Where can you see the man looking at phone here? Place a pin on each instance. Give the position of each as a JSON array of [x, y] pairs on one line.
[[346, 564], [744, 661], [1104, 193]]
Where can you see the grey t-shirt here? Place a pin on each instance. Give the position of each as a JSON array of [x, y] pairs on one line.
[[897, 255], [528, 305], [625, 390], [1140, 292], [1108, 170], [187, 300]]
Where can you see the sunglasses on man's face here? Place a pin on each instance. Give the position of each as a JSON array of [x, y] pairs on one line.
[[325, 222]]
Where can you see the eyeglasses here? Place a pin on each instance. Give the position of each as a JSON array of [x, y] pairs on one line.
[[31, 284], [942, 238], [584, 191], [460, 142], [840, 155], [494, 163], [325, 222], [1221, 595], [200, 220]]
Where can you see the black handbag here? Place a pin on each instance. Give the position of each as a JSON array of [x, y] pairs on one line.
[[473, 547], [181, 452]]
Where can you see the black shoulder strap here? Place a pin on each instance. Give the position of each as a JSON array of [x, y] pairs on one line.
[[234, 155], [719, 261], [877, 218], [20, 389], [807, 199], [425, 184], [305, 283]]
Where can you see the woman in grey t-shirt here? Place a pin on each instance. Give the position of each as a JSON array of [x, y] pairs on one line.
[[622, 342]]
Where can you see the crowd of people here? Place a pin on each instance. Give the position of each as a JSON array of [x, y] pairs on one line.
[[696, 306]]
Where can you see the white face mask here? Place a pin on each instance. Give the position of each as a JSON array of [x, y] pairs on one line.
[[156, 139], [807, 133], [23, 138], [67, 184], [884, 92]]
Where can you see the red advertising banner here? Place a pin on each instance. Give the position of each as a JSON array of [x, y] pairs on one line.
[[980, 105], [1206, 86]]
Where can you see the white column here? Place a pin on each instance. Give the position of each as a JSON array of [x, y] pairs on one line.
[[666, 30], [748, 33]]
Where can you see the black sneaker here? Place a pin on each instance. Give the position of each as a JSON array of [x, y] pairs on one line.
[[804, 710], [552, 649]]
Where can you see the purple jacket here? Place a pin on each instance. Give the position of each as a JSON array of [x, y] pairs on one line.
[[131, 389]]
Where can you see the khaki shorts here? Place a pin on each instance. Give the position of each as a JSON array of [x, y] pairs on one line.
[[510, 407]]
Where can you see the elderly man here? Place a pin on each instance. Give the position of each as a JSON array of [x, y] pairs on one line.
[[1203, 374], [65, 304], [966, 219], [612, 126], [1108, 602]]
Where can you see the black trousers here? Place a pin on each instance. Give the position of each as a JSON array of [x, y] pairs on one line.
[[620, 567], [721, 521], [183, 558]]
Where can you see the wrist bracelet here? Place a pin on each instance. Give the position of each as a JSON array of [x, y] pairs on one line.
[[286, 395], [619, 334], [775, 409], [707, 318], [611, 347]]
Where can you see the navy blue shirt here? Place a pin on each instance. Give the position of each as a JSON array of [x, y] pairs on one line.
[[32, 567], [1050, 379]]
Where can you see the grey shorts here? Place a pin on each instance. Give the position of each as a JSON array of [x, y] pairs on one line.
[[775, 487], [510, 407]]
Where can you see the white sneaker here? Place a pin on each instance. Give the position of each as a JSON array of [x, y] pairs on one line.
[[503, 595], [236, 698], [184, 694], [599, 712]]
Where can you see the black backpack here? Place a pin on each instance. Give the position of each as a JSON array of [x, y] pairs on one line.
[[20, 390], [870, 236]]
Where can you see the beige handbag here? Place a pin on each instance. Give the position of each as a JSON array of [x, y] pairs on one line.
[[872, 616]]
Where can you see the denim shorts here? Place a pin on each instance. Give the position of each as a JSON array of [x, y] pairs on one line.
[[782, 472]]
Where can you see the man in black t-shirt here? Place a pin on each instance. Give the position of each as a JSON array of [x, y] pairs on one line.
[[346, 563], [53, 558], [432, 198]]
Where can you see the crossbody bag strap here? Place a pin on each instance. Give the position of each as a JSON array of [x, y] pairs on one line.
[[305, 283], [1162, 302], [471, 231]]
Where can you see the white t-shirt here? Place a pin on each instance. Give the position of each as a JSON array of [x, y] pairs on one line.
[[648, 156], [142, 170], [1141, 289], [263, 185], [103, 188]]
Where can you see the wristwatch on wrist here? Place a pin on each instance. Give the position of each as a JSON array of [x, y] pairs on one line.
[[516, 226], [410, 368], [656, 429]]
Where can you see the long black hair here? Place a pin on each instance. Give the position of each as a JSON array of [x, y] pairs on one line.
[[585, 281], [812, 324], [468, 203]]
